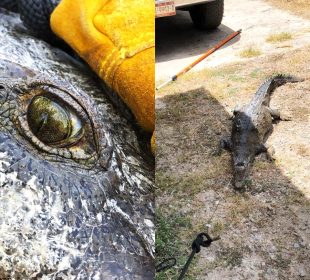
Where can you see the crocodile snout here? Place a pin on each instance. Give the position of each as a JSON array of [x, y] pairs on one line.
[[241, 162], [240, 165], [240, 172]]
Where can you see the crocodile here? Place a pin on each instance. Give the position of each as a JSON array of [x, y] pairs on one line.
[[76, 192], [252, 124]]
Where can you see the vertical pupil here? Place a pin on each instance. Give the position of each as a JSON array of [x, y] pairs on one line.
[[48, 120]]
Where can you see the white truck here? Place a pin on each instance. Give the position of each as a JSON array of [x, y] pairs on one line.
[[207, 14]]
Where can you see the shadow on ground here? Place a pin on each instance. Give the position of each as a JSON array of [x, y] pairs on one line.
[[265, 232], [176, 37]]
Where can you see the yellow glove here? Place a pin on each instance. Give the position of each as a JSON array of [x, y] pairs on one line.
[[116, 38], [153, 143]]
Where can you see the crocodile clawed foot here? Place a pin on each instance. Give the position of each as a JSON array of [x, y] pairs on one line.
[[266, 152], [225, 144], [277, 115], [270, 153], [285, 117]]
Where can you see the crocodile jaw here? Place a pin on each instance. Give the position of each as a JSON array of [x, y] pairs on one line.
[[240, 176]]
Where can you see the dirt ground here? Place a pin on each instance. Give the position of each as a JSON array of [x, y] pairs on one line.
[[178, 43], [265, 231], [297, 7]]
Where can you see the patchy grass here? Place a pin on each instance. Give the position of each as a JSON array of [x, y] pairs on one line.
[[164, 180], [210, 75], [217, 228], [169, 243], [241, 207], [298, 7], [226, 258], [191, 179], [295, 197], [191, 184], [231, 257], [250, 52], [279, 37]]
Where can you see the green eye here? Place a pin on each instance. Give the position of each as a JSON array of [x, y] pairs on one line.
[[53, 123]]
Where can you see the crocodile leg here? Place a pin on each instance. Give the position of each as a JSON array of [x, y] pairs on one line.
[[268, 150], [225, 144], [261, 149], [270, 153], [276, 115]]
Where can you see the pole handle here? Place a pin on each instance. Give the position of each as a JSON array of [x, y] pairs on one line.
[[209, 52]]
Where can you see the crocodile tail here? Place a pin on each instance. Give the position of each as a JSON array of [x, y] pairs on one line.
[[279, 80], [282, 79]]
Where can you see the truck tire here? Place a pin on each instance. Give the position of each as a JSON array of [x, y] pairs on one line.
[[208, 15]]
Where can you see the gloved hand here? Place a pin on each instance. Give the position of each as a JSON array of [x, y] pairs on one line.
[[117, 39]]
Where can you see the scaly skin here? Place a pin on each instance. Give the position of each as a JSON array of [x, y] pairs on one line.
[[79, 212], [251, 126]]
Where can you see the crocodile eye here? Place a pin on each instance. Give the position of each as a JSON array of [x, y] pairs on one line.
[[238, 125], [58, 121], [54, 123]]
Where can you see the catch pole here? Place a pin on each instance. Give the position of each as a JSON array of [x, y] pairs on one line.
[[201, 58]]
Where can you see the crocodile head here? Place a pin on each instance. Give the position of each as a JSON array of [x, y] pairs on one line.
[[76, 196], [245, 141]]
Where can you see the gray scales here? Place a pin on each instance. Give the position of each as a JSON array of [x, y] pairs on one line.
[[252, 124], [78, 211]]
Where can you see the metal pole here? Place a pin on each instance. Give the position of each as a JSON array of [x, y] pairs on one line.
[[201, 58]]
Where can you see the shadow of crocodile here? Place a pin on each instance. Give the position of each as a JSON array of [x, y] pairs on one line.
[[264, 231]]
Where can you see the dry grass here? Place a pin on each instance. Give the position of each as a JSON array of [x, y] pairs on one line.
[[241, 207], [298, 7], [191, 180], [279, 37], [250, 52]]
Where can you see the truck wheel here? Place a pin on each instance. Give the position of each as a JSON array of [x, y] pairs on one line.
[[207, 15]]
